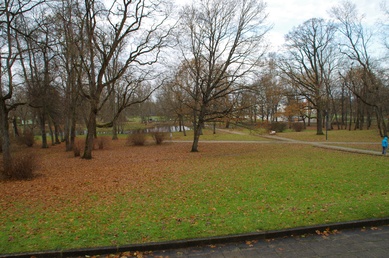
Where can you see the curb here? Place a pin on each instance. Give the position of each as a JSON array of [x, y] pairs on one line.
[[155, 246]]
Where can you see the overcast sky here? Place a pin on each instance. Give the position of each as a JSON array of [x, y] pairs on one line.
[[286, 14]]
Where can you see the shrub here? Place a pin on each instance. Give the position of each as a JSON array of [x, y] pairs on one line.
[[22, 167], [26, 139], [159, 137], [101, 142], [137, 138], [77, 147], [298, 127], [278, 126], [1, 144], [263, 124]]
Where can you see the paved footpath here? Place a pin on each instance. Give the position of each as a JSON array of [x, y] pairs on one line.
[[370, 242], [361, 239]]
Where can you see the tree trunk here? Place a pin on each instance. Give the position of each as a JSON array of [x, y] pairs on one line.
[[382, 127], [351, 114], [7, 158], [43, 130], [182, 123], [196, 138], [115, 131], [319, 121], [56, 133], [369, 120], [70, 132], [184, 130], [227, 124], [335, 114], [15, 126], [51, 132], [68, 147], [91, 131], [73, 132], [379, 124], [342, 109]]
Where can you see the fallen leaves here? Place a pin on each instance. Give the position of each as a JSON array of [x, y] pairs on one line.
[[251, 243], [69, 180], [327, 232]]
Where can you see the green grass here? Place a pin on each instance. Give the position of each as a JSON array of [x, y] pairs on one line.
[[372, 147], [227, 191], [371, 135], [221, 135]]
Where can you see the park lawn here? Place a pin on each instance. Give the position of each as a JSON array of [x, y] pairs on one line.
[[208, 135], [128, 194], [237, 134], [361, 146], [371, 135]]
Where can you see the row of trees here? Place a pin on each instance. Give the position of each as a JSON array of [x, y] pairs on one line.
[[328, 62], [72, 63], [329, 70]]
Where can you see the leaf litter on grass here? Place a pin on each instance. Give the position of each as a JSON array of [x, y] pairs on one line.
[[152, 193]]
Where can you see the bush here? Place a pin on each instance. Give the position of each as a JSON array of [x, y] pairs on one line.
[[22, 167], [26, 139], [101, 142], [159, 137], [263, 124], [77, 147], [278, 126], [137, 138], [298, 127]]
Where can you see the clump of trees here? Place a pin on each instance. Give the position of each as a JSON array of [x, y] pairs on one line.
[[330, 64], [70, 60]]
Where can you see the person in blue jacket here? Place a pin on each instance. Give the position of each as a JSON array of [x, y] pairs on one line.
[[384, 145]]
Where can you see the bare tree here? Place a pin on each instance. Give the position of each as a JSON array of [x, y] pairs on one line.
[[355, 46], [383, 26], [11, 13], [269, 91], [354, 82], [142, 23], [222, 42], [172, 102], [132, 88], [309, 63], [68, 32], [38, 62]]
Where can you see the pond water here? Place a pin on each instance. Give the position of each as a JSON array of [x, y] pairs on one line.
[[165, 129]]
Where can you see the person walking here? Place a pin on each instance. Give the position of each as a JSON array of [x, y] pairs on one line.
[[384, 145]]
